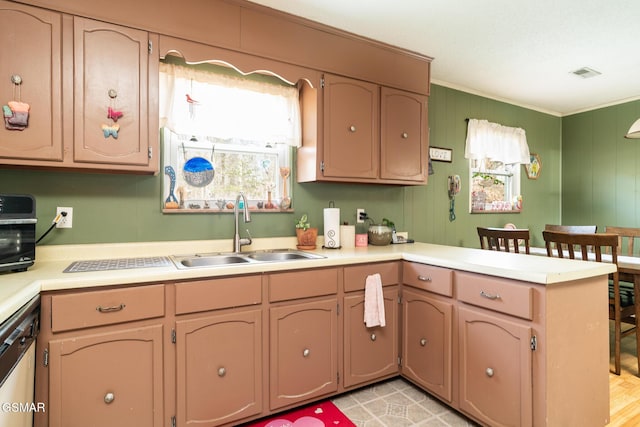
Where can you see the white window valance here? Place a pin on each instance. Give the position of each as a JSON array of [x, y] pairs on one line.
[[486, 140], [202, 103]]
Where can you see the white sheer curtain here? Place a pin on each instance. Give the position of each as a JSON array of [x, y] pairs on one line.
[[228, 107], [486, 140]]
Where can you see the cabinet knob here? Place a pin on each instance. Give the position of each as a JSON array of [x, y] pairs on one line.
[[222, 372], [306, 352], [16, 79], [489, 372], [424, 278], [109, 397], [352, 128], [423, 342], [404, 135], [373, 337], [113, 93]]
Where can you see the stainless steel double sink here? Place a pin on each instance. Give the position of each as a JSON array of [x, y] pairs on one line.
[[218, 259]]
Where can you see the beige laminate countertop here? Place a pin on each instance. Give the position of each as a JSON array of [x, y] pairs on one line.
[[16, 289]]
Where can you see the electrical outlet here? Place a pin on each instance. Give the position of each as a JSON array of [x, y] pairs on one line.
[[358, 212], [65, 221]]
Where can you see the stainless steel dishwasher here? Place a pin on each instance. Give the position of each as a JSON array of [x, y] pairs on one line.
[[17, 366]]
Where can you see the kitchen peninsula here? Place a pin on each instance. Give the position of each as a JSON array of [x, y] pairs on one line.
[[494, 335]]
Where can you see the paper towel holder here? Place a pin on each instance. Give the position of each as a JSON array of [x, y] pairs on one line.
[[331, 235]]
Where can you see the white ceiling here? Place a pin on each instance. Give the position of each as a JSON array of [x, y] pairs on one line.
[[518, 51]]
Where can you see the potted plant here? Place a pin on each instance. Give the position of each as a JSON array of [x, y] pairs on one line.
[[306, 234]]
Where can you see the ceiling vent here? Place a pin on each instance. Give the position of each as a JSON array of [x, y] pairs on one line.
[[586, 72]]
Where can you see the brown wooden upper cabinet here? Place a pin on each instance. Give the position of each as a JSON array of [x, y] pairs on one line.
[[112, 66], [72, 72], [31, 51], [363, 132]]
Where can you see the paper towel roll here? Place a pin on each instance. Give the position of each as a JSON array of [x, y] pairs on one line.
[[332, 228], [348, 236]]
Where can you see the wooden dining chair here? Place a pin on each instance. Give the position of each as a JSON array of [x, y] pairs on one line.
[[504, 239], [583, 229], [626, 235], [622, 306], [580, 229]]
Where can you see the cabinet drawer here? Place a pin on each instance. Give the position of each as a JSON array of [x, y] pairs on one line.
[[356, 276], [433, 279], [502, 295], [203, 295], [97, 308], [302, 284]]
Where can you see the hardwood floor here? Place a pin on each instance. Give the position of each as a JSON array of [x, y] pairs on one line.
[[625, 389]]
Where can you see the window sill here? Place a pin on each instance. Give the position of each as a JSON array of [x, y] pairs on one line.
[[496, 211], [224, 211]]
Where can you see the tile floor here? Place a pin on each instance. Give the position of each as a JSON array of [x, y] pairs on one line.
[[397, 403]]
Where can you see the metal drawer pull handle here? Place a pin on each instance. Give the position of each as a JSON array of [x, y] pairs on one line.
[[222, 372], [111, 309], [489, 296], [109, 397], [373, 337], [405, 135], [306, 352], [423, 342], [424, 278], [352, 128], [489, 372]]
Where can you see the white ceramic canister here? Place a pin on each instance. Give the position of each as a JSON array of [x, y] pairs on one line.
[[348, 236]]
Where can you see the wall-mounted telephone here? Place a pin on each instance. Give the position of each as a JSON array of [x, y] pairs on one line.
[[453, 188]]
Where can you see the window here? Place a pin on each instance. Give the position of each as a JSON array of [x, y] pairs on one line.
[[495, 186], [224, 133], [495, 153]]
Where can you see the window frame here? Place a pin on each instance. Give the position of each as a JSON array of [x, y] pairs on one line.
[[174, 145], [512, 177]]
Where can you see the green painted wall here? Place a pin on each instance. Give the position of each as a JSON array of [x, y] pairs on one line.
[[127, 208], [427, 208], [600, 168]]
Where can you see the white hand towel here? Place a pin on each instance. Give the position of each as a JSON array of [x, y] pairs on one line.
[[374, 302]]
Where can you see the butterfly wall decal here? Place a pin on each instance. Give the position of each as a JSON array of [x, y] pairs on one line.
[[114, 114], [110, 130]]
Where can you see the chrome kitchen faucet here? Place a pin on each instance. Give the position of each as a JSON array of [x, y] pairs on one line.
[[238, 243]]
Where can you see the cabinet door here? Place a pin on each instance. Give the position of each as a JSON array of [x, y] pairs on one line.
[[369, 353], [426, 347], [303, 351], [219, 368], [112, 69], [31, 49], [495, 369], [404, 140], [351, 128], [107, 379]]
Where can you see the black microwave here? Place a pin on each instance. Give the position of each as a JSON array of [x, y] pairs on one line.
[[17, 232]]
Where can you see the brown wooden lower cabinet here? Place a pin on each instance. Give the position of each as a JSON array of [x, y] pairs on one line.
[[426, 344], [107, 378], [100, 358], [219, 368], [303, 351], [370, 353], [224, 351], [303, 335], [495, 369]]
